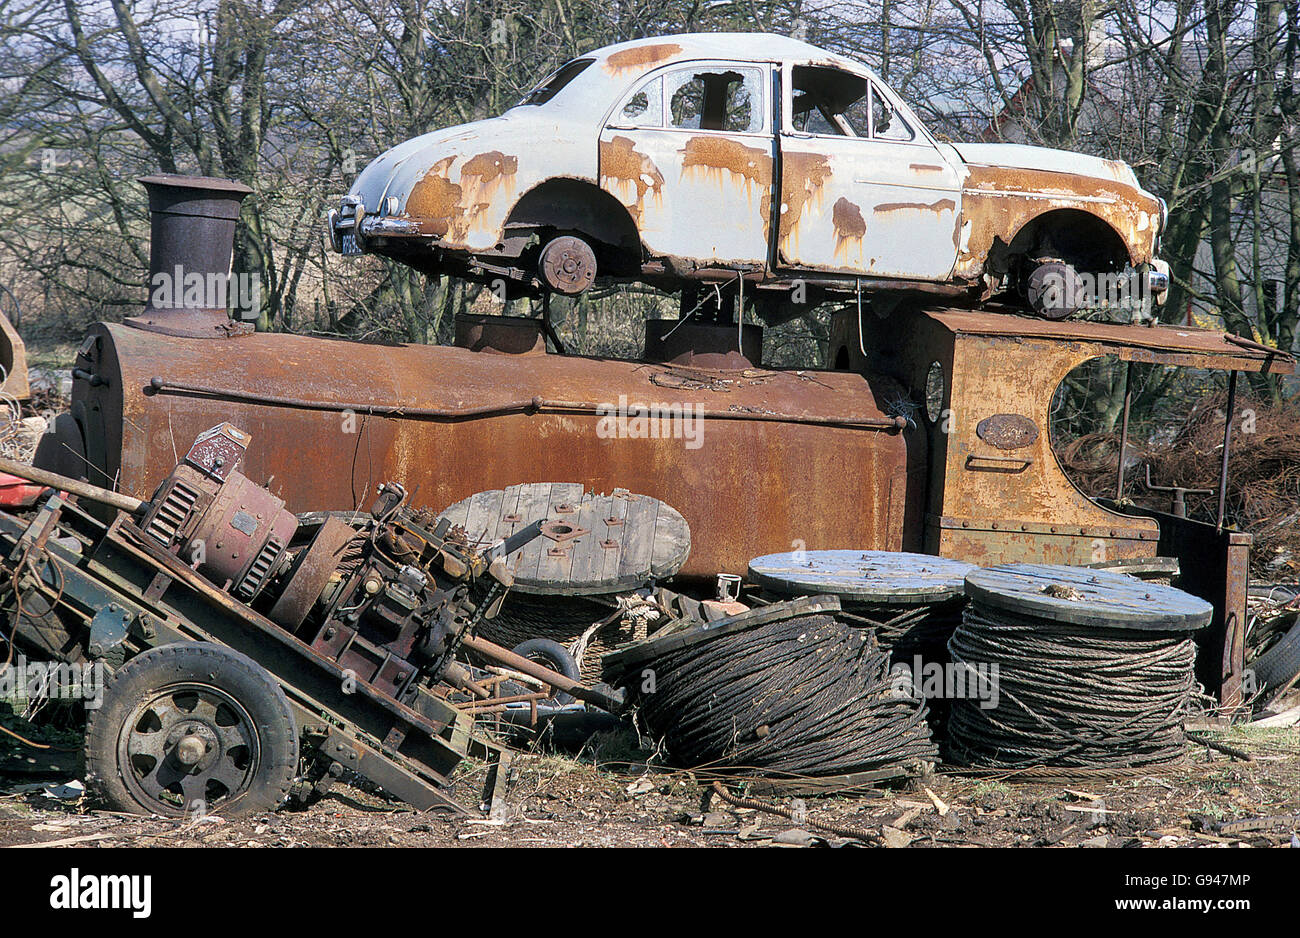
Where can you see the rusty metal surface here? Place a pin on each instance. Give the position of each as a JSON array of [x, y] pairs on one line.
[[13, 362], [1170, 345], [311, 573], [986, 504], [456, 422], [192, 226], [1007, 431], [1214, 565], [999, 201]]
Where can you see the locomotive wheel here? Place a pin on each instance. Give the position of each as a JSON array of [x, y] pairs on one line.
[[1055, 290], [567, 265], [192, 728]]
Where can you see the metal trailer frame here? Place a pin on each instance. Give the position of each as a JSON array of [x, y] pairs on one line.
[[133, 596]]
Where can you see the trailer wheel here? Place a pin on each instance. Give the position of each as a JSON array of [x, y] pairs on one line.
[[192, 728]]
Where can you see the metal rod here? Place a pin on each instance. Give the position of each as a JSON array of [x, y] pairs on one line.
[[1123, 431], [72, 486], [535, 405], [508, 658], [1227, 442]]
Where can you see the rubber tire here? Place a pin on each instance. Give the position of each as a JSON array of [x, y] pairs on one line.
[[236, 674], [1276, 670], [552, 655]]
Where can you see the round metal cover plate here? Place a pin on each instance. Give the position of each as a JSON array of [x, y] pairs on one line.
[[1085, 596], [598, 544], [693, 634], [863, 575]]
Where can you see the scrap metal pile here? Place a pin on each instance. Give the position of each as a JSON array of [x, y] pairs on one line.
[[1090, 668], [368, 634]]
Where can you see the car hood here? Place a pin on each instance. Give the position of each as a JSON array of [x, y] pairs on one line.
[[1019, 156]]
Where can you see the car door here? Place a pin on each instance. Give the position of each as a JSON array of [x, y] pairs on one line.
[[690, 150], [863, 189]]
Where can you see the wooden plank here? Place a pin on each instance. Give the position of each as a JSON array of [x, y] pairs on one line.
[[638, 543], [588, 561], [484, 517], [653, 539], [534, 505], [612, 557]]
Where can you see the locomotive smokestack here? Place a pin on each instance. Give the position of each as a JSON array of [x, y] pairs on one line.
[[192, 231]]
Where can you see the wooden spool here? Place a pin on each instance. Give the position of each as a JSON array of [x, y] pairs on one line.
[[857, 577], [598, 543], [1087, 596]]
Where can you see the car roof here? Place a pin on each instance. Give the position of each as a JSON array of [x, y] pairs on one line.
[[640, 54]]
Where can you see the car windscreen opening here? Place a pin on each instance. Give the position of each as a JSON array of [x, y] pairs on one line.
[[556, 81]]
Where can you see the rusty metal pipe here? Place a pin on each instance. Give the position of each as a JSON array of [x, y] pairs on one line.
[[531, 405], [493, 701], [496, 653], [1227, 443], [73, 486], [1123, 431]]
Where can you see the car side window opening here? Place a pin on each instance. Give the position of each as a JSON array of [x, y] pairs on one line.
[[885, 122], [554, 83], [828, 102], [644, 107], [716, 99]]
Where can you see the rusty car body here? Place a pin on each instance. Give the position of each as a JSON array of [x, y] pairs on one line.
[[725, 156]]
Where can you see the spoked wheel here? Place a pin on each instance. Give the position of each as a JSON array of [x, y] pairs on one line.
[[192, 728]]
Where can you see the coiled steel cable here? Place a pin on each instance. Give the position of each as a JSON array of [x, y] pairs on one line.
[[807, 696], [908, 630], [1070, 695]]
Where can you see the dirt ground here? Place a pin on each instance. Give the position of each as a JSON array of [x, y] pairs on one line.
[[1211, 800]]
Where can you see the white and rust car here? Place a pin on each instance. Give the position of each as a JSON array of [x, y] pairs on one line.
[[714, 157]]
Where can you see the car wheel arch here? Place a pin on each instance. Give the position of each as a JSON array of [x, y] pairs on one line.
[[569, 205], [1075, 227]]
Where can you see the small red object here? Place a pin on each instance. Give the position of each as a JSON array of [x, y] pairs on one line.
[[17, 492]]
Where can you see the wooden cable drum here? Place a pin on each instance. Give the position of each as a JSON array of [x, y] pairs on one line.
[[912, 601], [593, 548], [1072, 667]]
